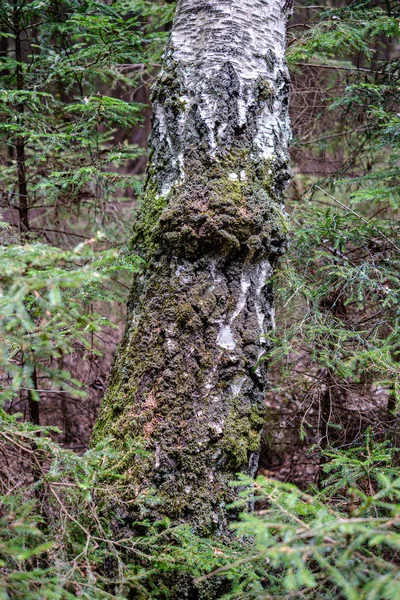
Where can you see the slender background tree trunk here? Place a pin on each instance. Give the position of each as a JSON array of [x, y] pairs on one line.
[[23, 206], [187, 379]]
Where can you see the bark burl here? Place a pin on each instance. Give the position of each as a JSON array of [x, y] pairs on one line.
[[188, 378]]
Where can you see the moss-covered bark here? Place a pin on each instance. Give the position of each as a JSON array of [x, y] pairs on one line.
[[188, 379]]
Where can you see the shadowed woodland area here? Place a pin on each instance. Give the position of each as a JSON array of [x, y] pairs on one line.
[[314, 511]]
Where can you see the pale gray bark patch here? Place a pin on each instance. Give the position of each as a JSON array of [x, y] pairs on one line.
[[188, 377]]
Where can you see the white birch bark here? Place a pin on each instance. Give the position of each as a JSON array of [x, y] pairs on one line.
[[224, 51], [188, 378]]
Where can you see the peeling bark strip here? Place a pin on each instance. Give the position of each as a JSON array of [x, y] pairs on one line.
[[187, 377]]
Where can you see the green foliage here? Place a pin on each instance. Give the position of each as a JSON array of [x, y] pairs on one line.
[[337, 345], [21, 542], [335, 360], [68, 72], [344, 276], [45, 294], [321, 546], [361, 467], [67, 77], [74, 136], [339, 542], [343, 31], [59, 539]]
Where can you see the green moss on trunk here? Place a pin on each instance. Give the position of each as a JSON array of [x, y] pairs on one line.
[[188, 379]]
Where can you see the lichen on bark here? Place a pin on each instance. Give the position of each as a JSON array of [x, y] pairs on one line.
[[188, 378]]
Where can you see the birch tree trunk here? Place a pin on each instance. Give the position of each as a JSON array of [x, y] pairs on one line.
[[188, 378]]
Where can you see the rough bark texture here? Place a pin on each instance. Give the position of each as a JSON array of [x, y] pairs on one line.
[[187, 379]]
